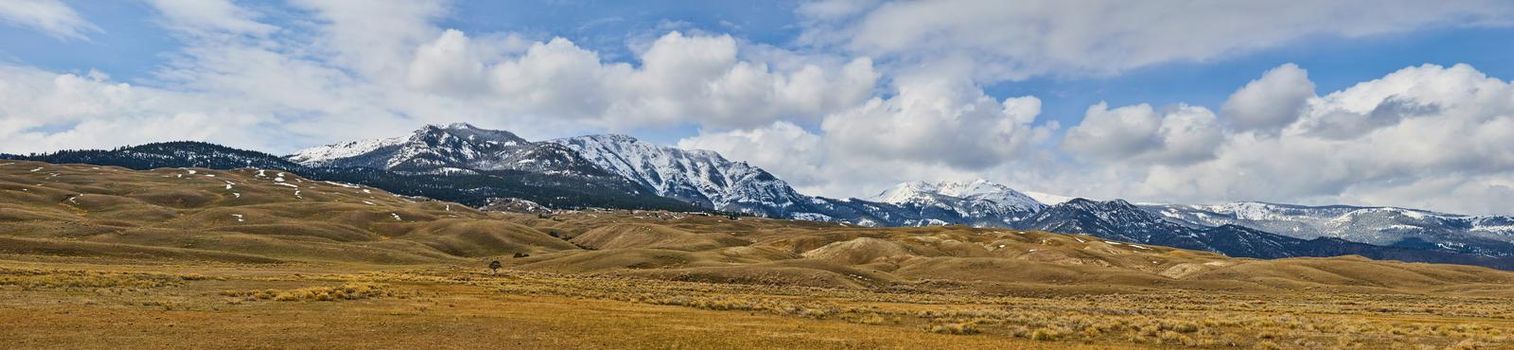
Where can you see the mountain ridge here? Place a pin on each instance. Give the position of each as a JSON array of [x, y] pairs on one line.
[[475, 166], [474, 188]]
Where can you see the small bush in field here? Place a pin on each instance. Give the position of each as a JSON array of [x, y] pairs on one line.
[[349, 291], [962, 328]]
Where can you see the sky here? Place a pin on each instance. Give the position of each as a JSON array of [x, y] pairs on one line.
[[1386, 102]]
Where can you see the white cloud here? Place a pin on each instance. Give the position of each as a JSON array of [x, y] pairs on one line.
[[448, 65], [682, 79], [210, 15], [1033, 37], [781, 148], [88, 112], [936, 120], [1270, 102], [834, 9], [817, 164], [700, 77], [1182, 134], [932, 127], [1359, 145], [48, 16], [374, 38]]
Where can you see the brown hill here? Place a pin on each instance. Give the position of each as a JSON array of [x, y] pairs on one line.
[[263, 216]]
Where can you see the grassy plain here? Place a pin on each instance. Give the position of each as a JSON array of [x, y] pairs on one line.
[[60, 303]]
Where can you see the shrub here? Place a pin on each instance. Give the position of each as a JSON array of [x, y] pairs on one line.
[[963, 328], [1045, 334], [349, 291]]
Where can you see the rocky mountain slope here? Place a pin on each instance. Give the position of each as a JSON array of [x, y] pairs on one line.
[[1488, 235], [977, 203], [1123, 221], [700, 177], [455, 148], [476, 188]]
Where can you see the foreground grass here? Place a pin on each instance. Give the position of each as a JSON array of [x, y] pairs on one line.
[[54, 305]]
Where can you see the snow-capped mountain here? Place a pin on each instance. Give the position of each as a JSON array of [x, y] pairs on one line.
[[980, 202], [1120, 220], [1489, 235], [472, 188], [343, 152], [1047, 198], [700, 177], [452, 148]]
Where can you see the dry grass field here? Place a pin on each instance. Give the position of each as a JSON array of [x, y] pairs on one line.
[[103, 257]]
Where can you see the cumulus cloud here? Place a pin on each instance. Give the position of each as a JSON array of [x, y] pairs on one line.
[[1026, 38], [781, 148], [817, 164], [450, 64], [1389, 155], [42, 111], [48, 16], [938, 121], [681, 79], [931, 127], [1271, 102], [1182, 134]]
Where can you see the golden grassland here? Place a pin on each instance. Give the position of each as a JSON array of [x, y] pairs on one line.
[[77, 305], [104, 257]]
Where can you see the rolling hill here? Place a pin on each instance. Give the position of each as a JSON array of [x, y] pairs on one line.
[[254, 215]]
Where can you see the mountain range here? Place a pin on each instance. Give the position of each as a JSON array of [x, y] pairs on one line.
[[475, 166]]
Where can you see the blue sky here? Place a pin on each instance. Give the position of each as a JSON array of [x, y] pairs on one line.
[[926, 91], [131, 45]]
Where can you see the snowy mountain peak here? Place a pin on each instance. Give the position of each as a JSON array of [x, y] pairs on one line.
[[457, 133], [957, 191], [905, 192], [978, 202], [976, 187], [451, 148], [458, 126], [1485, 235], [1047, 198], [695, 176], [320, 155], [619, 138]]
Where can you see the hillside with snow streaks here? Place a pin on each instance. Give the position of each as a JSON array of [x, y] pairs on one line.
[[1121, 220], [322, 155], [979, 200], [1490, 235], [451, 149], [703, 178]]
